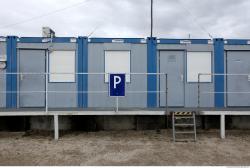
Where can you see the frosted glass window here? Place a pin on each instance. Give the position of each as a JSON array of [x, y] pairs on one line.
[[199, 63], [117, 62], [62, 62]]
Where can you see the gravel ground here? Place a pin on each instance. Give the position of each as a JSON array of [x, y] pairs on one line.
[[124, 148]]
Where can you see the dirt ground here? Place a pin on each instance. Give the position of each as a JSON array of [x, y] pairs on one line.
[[124, 148]]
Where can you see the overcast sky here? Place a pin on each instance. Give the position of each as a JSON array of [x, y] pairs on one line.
[[127, 18]]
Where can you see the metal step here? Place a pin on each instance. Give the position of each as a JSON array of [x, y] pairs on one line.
[[184, 124], [185, 132], [184, 140], [181, 118]]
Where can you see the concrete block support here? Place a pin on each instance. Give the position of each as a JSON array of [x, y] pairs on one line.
[[56, 127], [222, 126]]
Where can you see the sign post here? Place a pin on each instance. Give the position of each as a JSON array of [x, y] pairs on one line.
[[117, 87]]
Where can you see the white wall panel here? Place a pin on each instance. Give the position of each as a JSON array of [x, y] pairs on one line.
[[62, 62], [199, 62], [117, 62]]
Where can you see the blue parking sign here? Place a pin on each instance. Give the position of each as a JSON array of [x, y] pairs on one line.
[[117, 85]]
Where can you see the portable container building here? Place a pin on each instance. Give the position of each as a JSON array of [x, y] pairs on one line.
[[69, 73]]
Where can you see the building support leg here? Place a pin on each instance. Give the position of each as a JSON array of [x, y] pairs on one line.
[[222, 126], [56, 127]]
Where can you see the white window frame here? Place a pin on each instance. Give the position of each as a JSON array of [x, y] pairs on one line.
[[127, 71], [193, 65], [62, 78]]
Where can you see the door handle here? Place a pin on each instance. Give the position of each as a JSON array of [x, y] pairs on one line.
[[182, 77], [21, 77]]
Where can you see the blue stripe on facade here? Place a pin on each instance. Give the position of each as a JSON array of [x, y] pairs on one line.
[[82, 68], [40, 39], [110, 40], [11, 79], [8, 76], [151, 68], [85, 70], [237, 42], [30, 40], [178, 41], [169, 41], [14, 70], [79, 70], [199, 41], [219, 69], [101, 40]]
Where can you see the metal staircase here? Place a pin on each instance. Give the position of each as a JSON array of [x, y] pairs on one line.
[[184, 126]]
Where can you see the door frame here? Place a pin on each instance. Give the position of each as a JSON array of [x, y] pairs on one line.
[[18, 78], [184, 74]]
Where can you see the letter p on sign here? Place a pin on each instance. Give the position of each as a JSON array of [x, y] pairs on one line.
[[117, 85]]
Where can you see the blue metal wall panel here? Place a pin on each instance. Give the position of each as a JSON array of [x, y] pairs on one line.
[[8, 76], [85, 69], [237, 42], [79, 70], [82, 68], [134, 40], [39, 39], [169, 41], [101, 40], [14, 70], [219, 69], [30, 40], [199, 41], [151, 68], [178, 41], [11, 79], [110, 40]]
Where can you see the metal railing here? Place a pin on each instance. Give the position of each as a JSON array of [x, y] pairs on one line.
[[101, 80], [225, 83]]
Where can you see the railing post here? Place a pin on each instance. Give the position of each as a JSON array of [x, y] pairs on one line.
[[173, 126], [166, 76], [47, 82], [199, 90], [117, 104], [46, 94]]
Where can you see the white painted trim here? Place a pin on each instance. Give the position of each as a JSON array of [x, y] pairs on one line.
[[236, 113], [109, 112], [36, 113]]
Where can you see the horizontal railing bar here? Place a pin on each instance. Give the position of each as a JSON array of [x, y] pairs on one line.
[[79, 91], [78, 73], [200, 75], [225, 92], [102, 73], [204, 74]]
